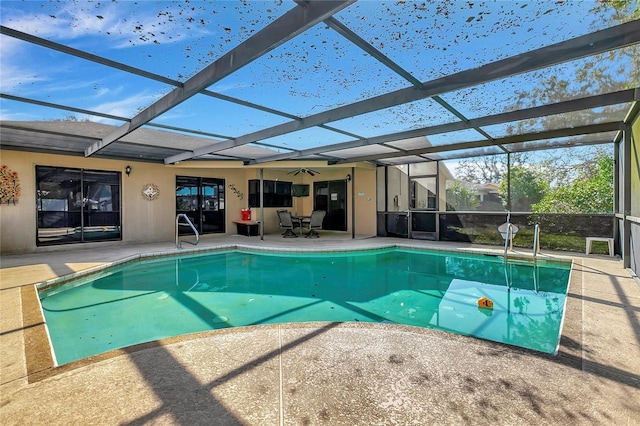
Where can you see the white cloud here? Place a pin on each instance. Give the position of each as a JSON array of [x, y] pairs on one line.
[[12, 77], [451, 166], [102, 92], [225, 87], [6, 115], [9, 46], [126, 107], [173, 115], [123, 26]]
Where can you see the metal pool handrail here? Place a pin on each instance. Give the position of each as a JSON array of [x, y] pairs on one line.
[[193, 228], [508, 238], [536, 240]]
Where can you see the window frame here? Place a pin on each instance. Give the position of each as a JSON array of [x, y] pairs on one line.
[[85, 220], [277, 193]]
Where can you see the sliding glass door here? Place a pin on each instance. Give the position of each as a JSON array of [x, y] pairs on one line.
[[77, 205], [331, 196], [202, 200]]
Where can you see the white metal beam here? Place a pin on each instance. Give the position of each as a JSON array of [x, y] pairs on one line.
[[289, 25], [595, 101], [579, 47], [528, 137]]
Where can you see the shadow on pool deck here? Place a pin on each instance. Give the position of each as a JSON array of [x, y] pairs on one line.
[[326, 373]]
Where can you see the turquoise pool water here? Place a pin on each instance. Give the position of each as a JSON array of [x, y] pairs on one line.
[[154, 299]]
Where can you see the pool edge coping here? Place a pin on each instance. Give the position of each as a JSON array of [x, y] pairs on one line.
[[58, 281], [39, 369]]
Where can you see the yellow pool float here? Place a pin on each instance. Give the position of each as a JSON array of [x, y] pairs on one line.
[[485, 302]]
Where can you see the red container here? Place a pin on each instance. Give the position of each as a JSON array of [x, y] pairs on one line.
[[246, 214]]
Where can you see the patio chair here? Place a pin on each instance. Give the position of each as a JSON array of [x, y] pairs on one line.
[[317, 216], [287, 224]]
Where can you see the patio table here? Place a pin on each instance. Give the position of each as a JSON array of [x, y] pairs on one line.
[[301, 219]]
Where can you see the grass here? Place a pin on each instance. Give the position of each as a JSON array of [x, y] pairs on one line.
[[524, 239]]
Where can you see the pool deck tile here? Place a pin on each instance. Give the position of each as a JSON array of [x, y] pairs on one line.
[[325, 373]]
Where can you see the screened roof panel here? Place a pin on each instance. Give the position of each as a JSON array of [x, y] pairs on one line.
[[559, 121], [595, 138], [413, 115], [467, 135], [166, 139], [384, 75], [173, 39], [571, 80], [402, 160], [209, 114], [433, 39], [307, 138], [315, 157], [16, 110], [72, 81], [246, 151], [413, 143], [361, 151], [314, 72], [465, 153]]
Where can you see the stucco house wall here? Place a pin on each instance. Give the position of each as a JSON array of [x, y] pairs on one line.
[[154, 221]]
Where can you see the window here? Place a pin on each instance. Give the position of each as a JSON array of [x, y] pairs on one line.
[[276, 193], [423, 193], [77, 205]]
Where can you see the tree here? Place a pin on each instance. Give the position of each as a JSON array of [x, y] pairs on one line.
[[481, 170], [629, 9], [603, 73], [72, 118], [461, 197], [591, 193], [487, 169], [527, 185]]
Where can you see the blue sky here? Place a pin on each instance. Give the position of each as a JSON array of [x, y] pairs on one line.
[[316, 71]]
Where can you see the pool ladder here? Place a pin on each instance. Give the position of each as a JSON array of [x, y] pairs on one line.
[[536, 241], [193, 228], [508, 241]]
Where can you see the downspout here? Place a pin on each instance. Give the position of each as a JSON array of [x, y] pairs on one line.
[[386, 200], [353, 203], [261, 204], [409, 224], [626, 202], [616, 194]]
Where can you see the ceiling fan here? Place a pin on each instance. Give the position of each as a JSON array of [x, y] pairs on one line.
[[310, 172]]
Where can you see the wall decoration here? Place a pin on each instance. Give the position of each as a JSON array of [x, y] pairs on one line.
[[150, 191], [9, 185], [235, 190]]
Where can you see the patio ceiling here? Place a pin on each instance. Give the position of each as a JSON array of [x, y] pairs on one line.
[[337, 81]]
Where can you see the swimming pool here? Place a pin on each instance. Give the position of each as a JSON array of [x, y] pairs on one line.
[[162, 297]]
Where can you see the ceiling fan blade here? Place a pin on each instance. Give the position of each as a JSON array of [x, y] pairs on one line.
[[311, 173]]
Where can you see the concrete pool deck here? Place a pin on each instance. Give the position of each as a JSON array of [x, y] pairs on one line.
[[325, 373]]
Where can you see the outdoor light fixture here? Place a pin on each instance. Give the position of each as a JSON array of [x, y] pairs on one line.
[[127, 170], [349, 178]]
